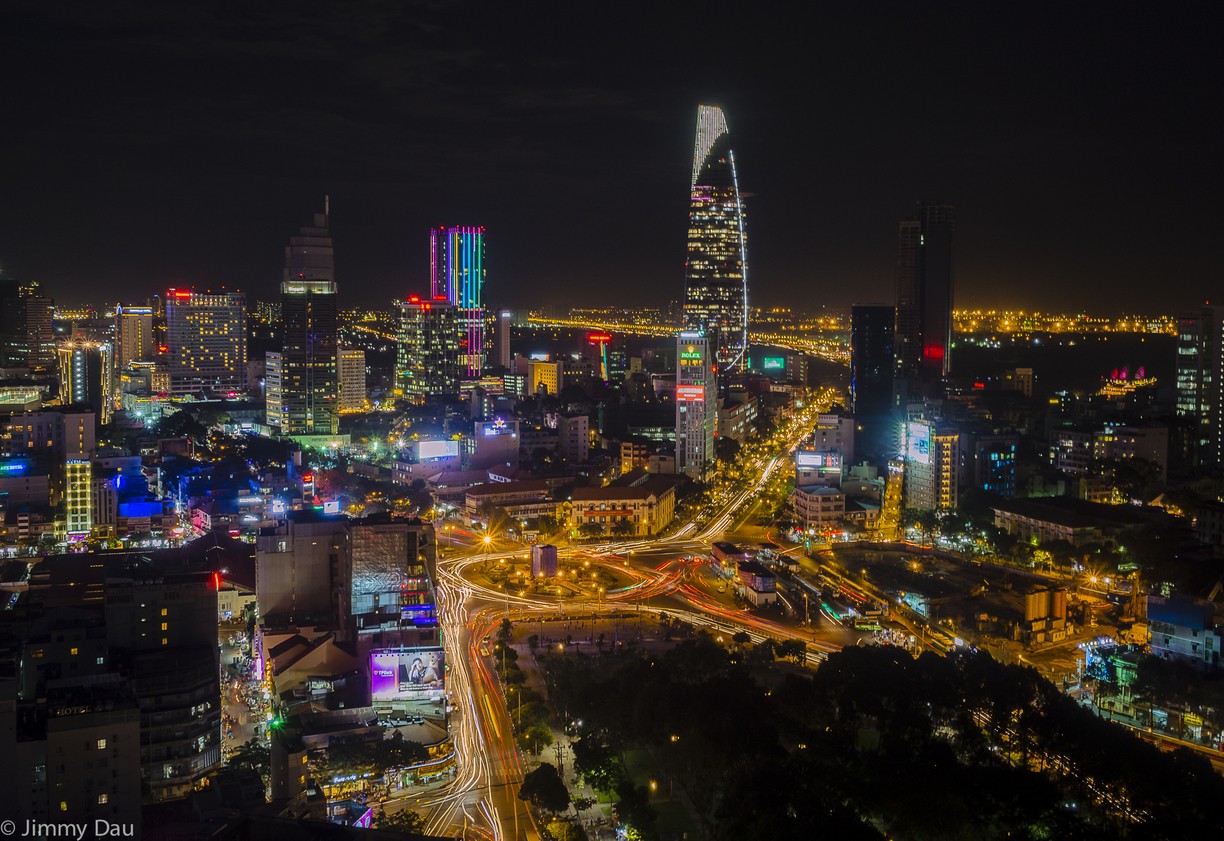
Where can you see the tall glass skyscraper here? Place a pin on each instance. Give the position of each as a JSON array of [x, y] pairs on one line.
[[457, 274], [871, 382], [309, 381], [924, 292], [716, 270]]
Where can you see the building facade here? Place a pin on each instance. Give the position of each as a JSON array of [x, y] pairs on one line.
[[716, 266], [923, 333], [457, 274], [352, 374], [1200, 384], [872, 363], [429, 356], [133, 335], [696, 404], [932, 465], [206, 350], [87, 377]]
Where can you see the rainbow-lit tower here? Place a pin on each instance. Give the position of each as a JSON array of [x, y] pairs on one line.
[[716, 270], [457, 274]]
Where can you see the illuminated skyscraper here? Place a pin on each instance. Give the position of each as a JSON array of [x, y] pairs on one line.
[[696, 404], [86, 376], [457, 274], [134, 335], [352, 376], [429, 361], [310, 320], [716, 270], [924, 292], [205, 342]]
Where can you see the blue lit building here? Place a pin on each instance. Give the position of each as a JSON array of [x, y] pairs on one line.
[[457, 274]]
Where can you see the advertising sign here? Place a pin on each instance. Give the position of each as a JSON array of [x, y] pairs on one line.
[[918, 442], [690, 392], [427, 450], [403, 674], [773, 363], [811, 458]]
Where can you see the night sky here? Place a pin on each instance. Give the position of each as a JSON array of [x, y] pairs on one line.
[[146, 145]]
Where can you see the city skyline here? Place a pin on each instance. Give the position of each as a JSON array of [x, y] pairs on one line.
[[1047, 158]]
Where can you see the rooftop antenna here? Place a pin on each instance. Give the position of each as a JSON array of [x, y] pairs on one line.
[[327, 209]]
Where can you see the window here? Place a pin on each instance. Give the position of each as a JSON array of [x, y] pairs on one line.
[[164, 611], [101, 744], [73, 651], [63, 805], [102, 798], [165, 641], [165, 626]]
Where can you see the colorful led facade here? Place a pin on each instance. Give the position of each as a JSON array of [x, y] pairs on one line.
[[716, 269], [457, 274]]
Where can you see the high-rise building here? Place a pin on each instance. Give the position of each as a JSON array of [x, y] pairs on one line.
[[696, 404], [274, 399], [133, 335], [310, 323], [205, 342], [716, 269], [457, 273], [78, 494], [932, 465], [924, 292], [391, 562], [545, 377], [1200, 385], [352, 373], [86, 376], [429, 357], [27, 339], [871, 382], [504, 318]]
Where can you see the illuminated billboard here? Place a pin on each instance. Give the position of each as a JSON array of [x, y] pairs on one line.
[[918, 442], [690, 393], [811, 458], [496, 427], [773, 363], [405, 674], [427, 450]]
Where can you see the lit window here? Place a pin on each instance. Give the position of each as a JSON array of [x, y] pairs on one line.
[[102, 798], [101, 744], [72, 651]]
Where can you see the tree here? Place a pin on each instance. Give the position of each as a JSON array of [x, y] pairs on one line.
[[545, 789], [405, 820], [591, 530], [253, 754], [623, 528], [793, 650]]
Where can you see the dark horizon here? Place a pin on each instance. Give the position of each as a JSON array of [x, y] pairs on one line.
[[159, 147]]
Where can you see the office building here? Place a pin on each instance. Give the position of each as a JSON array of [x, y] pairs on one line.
[[205, 343], [133, 336], [546, 377], [716, 267], [457, 274], [932, 462], [696, 404], [391, 563], [923, 336], [574, 445], [352, 374], [872, 366], [1200, 385], [502, 329], [299, 567], [310, 325], [429, 355], [87, 377], [27, 339], [78, 495], [274, 400]]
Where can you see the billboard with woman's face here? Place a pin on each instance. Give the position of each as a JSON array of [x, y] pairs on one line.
[[406, 673]]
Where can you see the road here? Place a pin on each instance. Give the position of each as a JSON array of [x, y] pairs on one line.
[[482, 800]]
